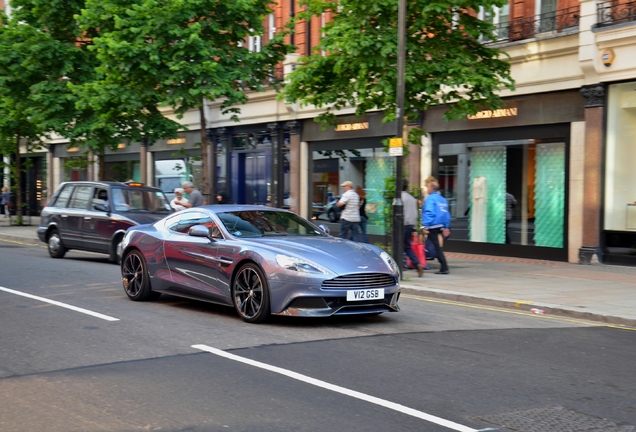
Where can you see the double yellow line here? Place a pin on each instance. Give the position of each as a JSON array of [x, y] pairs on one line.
[[523, 313]]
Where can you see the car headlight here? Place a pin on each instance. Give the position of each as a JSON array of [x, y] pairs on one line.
[[300, 265], [390, 262]]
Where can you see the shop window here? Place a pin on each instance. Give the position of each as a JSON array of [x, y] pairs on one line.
[[620, 160], [514, 193]]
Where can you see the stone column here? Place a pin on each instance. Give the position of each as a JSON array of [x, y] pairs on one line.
[[275, 199], [594, 96], [294, 165], [50, 172], [143, 161]]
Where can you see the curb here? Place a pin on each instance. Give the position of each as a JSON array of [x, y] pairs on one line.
[[21, 239], [516, 305]]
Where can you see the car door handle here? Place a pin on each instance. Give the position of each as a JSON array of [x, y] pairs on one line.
[[87, 218], [64, 216]]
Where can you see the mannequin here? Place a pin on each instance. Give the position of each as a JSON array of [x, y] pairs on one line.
[[479, 216]]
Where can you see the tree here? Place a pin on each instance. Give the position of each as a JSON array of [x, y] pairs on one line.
[[30, 60], [183, 52], [446, 59], [66, 103]]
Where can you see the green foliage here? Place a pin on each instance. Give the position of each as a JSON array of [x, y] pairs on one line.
[[446, 62], [181, 51]]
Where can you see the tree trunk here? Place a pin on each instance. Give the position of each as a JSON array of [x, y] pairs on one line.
[[205, 185], [18, 179], [102, 167]]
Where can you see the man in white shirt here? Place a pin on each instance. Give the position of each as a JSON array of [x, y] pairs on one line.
[[350, 216]]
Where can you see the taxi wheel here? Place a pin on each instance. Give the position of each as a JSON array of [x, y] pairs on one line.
[[250, 294], [115, 250], [134, 275], [55, 245]]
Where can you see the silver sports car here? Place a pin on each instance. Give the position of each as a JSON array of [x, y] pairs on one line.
[[261, 260]]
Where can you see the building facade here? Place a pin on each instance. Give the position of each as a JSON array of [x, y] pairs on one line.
[[548, 176]]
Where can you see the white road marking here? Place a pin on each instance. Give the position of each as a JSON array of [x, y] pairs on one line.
[[345, 391], [60, 304]]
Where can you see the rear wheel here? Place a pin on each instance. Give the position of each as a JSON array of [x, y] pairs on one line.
[[115, 250], [135, 278], [55, 245], [250, 294], [332, 215]]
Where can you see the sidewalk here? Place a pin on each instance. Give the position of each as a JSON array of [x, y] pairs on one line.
[[598, 292]]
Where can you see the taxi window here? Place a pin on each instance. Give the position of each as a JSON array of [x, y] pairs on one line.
[[63, 196], [81, 196]]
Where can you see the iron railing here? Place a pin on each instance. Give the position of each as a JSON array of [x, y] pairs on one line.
[[615, 12], [559, 21]]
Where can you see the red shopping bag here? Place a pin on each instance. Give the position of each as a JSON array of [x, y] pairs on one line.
[[418, 248]]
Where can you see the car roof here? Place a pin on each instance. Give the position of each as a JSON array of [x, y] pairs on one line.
[[108, 184]]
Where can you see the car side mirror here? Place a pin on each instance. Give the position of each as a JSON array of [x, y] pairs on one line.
[[100, 207], [200, 231], [324, 228]]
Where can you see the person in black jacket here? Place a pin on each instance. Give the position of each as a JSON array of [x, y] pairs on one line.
[[223, 198]]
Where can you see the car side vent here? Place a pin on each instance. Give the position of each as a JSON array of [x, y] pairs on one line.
[[364, 280]]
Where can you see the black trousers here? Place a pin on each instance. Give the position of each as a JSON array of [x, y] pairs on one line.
[[434, 236]]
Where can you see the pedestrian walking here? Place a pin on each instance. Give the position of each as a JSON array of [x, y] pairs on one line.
[[195, 198], [363, 215], [350, 217], [436, 220], [409, 205], [4, 201]]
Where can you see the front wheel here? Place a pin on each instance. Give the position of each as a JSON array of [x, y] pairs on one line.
[[250, 294], [135, 278], [55, 245]]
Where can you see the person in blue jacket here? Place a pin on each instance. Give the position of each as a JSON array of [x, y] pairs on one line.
[[436, 220]]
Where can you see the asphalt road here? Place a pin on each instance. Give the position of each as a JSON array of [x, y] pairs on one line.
[[177, 365]]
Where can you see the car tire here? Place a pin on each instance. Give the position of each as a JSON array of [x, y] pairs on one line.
[[332, 215], [134, 275], [55, 245], [250, 294], [115, 247]]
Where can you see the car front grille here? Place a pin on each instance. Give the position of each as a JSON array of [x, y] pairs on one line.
[[364, 280]]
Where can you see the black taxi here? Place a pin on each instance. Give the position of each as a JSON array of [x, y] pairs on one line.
[[94, 215]]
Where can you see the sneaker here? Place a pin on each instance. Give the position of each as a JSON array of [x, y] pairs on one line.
[[442, 272]]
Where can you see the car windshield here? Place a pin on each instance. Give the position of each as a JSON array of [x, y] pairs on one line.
[[139, 200], [261, 223]]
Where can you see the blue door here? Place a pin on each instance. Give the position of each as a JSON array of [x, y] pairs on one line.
[[251, 175]]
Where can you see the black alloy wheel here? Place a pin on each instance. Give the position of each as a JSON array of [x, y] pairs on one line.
[[250, 294], [135, 278], [55, 245]]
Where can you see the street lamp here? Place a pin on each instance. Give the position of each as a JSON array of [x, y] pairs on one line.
[[398, 209]]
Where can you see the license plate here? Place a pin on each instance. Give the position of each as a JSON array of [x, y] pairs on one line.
[[365, 294]]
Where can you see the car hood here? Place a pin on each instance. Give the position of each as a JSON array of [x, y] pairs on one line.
[[338, 255]]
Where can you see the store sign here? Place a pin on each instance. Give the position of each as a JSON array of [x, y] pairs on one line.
[[498, 113], [177, 141], [352, 126]]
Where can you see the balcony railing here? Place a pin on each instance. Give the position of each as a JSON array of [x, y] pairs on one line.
[[559, 21], [615, 12]]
